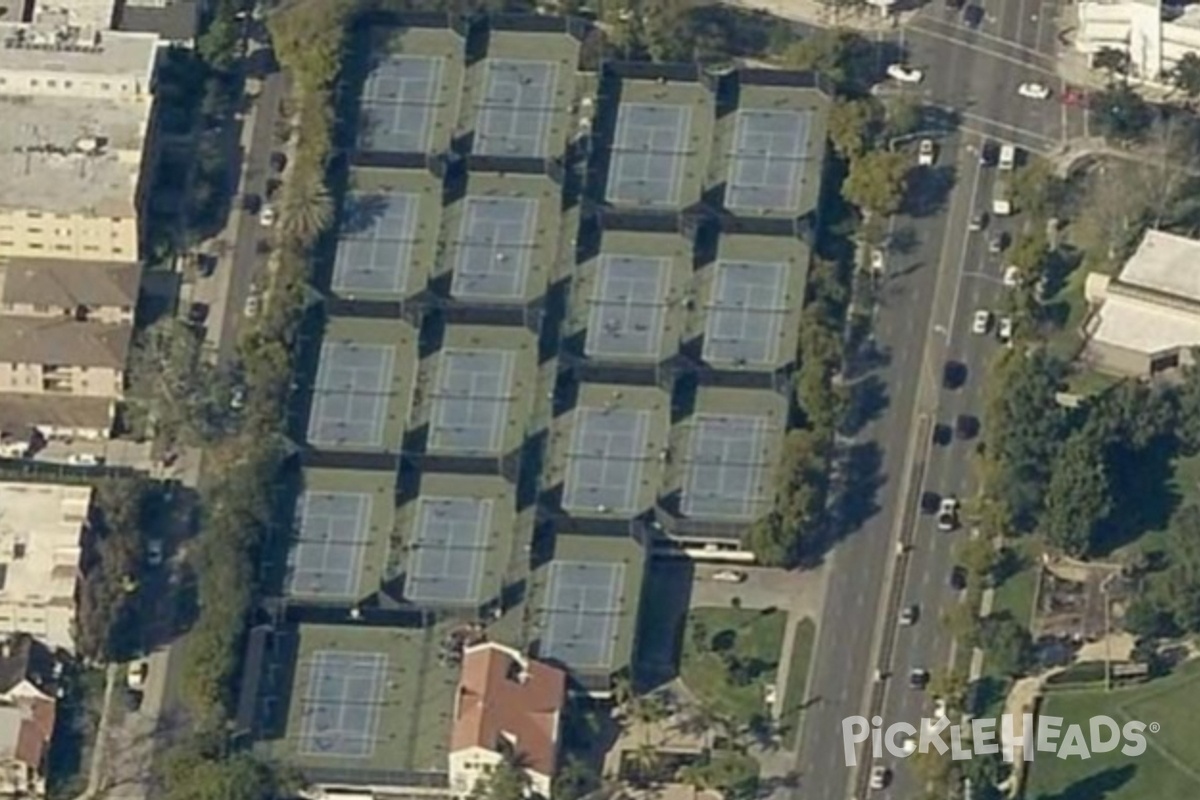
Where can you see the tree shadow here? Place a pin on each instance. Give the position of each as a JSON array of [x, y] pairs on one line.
[[928, 190], [868, 400], [855, 500], [1095, 787], [1147, 475], [986, 693], [903, 241]]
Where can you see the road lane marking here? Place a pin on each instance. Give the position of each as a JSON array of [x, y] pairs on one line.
[[962, 256], [1021, 61], [995, 123], [991, 38]]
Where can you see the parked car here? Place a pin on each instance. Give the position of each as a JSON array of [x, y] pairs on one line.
[[908, 615], [253, 305], [85, 460], [1004, 331], [877, 262], [206, 264], [278, 161], [251, 203], [729, 576], [958, 578], [926, 154], [267, 217], [982, 321], [954, 374], [978, 221], [1012, 276], [998, 243], [905, 74], [197, 313], [966, 426], [947, 516], [155, 552], [973, 16], [237, 398], [1073, 96], [880, 776], [988, 153], [137, 674], [918, 678], [942, 435]]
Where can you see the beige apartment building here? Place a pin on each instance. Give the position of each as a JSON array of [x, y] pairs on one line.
[[41, 533], [76, 117]]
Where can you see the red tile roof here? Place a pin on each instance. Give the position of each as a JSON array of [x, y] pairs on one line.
[[503, 697]]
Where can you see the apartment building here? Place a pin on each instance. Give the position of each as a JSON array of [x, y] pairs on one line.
[[41, 534], [76, 116], [1154, 35]]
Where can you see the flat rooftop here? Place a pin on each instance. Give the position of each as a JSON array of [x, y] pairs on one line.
[[21, 413], [362, 391], [725, 453], [750, 300], [518, 101], [661, 145], [42, 48], [586, 602], [608, 453], [70, 156], [41, 532], [502, 238], [341, 535], [476, 393], [411, 95], [366, 704], [84, 13], [770, 153], [457, 538], [388, 234], [629, 302], [1167, 263]]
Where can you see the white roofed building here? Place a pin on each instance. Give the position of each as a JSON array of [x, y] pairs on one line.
[[1147, 319]]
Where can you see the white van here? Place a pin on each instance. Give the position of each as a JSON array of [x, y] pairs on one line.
[[1008, 157]]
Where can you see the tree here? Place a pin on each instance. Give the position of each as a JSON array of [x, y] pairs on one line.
[[1078, 497], [507, 781], [877, 182], [200, 770], [1120, 113], [308, 37], [979, 556], [852, 125], [842, 57], [307, 209], [986, 772], [1148, 617], [1187, 398], [731, 772], [575, 779], [1008, 643], [1186, 75], [1111, 60], [1037, 190], [902, 117], [218, 44]]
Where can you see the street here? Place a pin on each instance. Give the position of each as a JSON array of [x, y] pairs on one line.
[[932, 289]]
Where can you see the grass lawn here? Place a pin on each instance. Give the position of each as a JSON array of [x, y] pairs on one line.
[[793, 695], [1016, 594], [1167, 770], [753, 637]]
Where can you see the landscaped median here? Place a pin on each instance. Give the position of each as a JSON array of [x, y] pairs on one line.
[[791, 714]]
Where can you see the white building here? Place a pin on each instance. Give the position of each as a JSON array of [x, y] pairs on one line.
[[1147, 319], [1154, 36], [41, 533]]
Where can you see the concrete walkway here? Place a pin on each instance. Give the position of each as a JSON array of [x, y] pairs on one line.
[[813, 12]]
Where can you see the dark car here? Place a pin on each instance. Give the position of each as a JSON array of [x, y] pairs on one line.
[[133, 700], [966, 426], [958, 578], [198, 313], [206, 264], [930, 502], [954, 374], [278, 162], [918, 679], [942, 435], [973, 16], [989, 154], [251, 203]]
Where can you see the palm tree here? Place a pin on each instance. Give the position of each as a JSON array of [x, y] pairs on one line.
[[307, 209], [644, 760]]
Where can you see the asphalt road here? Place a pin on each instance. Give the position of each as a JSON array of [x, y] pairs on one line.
[[929, 298]]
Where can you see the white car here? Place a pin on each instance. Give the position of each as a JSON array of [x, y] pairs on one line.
[[155, 552], [1034, 91], [939, 708], [982, 321], [729, 576], [905, 74], [947, 516], [1012, 276], [879, 776], [252, 306], [925, 153], [85, 460], [135, 677], [877, 264], [1004, 331], [267, 217], [909, 746]]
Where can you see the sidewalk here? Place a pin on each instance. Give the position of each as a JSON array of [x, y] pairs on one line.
[[813, 12]]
